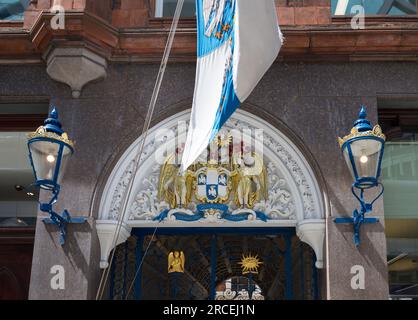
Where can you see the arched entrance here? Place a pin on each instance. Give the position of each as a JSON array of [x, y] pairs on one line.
[[213, 265], [276, 227]]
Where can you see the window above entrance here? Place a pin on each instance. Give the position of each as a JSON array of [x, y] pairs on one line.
[[374, 7], [166, 8], [12, 10]]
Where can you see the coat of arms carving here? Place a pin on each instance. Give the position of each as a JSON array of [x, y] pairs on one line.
[[214, 189]]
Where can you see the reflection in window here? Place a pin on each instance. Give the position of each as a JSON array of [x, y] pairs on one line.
[[12, 10], [374, 7], [18, 196], [18, 199], [400, 163], [400, 179], [166, 8]]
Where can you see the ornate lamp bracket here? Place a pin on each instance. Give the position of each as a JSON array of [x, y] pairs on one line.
[[359, 217], [60, 220]]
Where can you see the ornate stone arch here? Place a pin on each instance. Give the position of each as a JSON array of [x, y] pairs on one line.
[[295, 197]]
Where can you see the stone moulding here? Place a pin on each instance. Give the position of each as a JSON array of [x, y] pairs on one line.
[[106, 232], [312, 232], [384, 39], [295, 199], [75, 67]]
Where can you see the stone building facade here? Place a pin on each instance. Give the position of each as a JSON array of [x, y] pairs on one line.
[[100, 70]]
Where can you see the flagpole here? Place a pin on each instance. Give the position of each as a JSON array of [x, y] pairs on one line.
[[148, 118]]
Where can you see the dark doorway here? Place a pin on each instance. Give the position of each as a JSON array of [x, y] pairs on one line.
[[213, 265]]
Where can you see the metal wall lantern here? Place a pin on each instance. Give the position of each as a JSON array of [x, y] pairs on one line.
[[363, 152], [49, 150]]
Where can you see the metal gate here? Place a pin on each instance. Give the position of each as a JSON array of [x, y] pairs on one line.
[[213, 266]]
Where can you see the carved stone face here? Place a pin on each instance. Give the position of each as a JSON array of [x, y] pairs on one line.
[[176, 254]]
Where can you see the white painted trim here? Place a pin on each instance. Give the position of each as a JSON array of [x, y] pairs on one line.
[[312, 232], [159, 7], [199, 224], [105, 231]]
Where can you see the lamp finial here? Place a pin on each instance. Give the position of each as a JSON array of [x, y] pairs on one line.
[[54, 113], [52, 123], [363, 112], [362, 124]]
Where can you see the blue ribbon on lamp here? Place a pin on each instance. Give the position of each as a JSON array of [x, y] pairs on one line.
[[363, 152], [49, 150]]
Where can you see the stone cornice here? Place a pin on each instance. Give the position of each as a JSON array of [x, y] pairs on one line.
[[394, 40]]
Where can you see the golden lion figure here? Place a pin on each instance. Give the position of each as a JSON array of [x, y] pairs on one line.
[[175, 188], [249, 181]]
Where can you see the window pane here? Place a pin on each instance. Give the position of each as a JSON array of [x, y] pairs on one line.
[[166, 8], [400, 178], [18, 199], [13, 9], [374, 7]]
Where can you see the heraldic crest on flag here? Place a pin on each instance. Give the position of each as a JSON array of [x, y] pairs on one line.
[[238, 40]]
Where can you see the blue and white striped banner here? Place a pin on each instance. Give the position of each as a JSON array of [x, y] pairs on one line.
[[238, 40]]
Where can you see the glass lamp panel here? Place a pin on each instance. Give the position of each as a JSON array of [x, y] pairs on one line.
[[348, 161], [66, 154], [366, 154], [44, 157]]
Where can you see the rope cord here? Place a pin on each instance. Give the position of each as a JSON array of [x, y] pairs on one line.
[[144, 134], [142, 261]]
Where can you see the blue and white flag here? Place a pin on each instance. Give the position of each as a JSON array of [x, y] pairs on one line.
[[237, 42]]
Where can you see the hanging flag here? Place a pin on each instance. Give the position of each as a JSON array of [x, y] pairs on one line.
[[237, 42]]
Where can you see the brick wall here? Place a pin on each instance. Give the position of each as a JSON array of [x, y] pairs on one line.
[[131, 13], [67, 4], [101, 8], [136, 13], [304, 12]]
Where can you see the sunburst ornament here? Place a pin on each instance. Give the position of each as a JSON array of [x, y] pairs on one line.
[[250, 264], [223, 139]]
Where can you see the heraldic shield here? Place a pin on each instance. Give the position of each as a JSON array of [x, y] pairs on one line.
[[213, 190], [213, 184]]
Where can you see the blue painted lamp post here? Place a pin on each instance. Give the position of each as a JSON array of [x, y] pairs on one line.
[[49, 151], [363, 152]]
